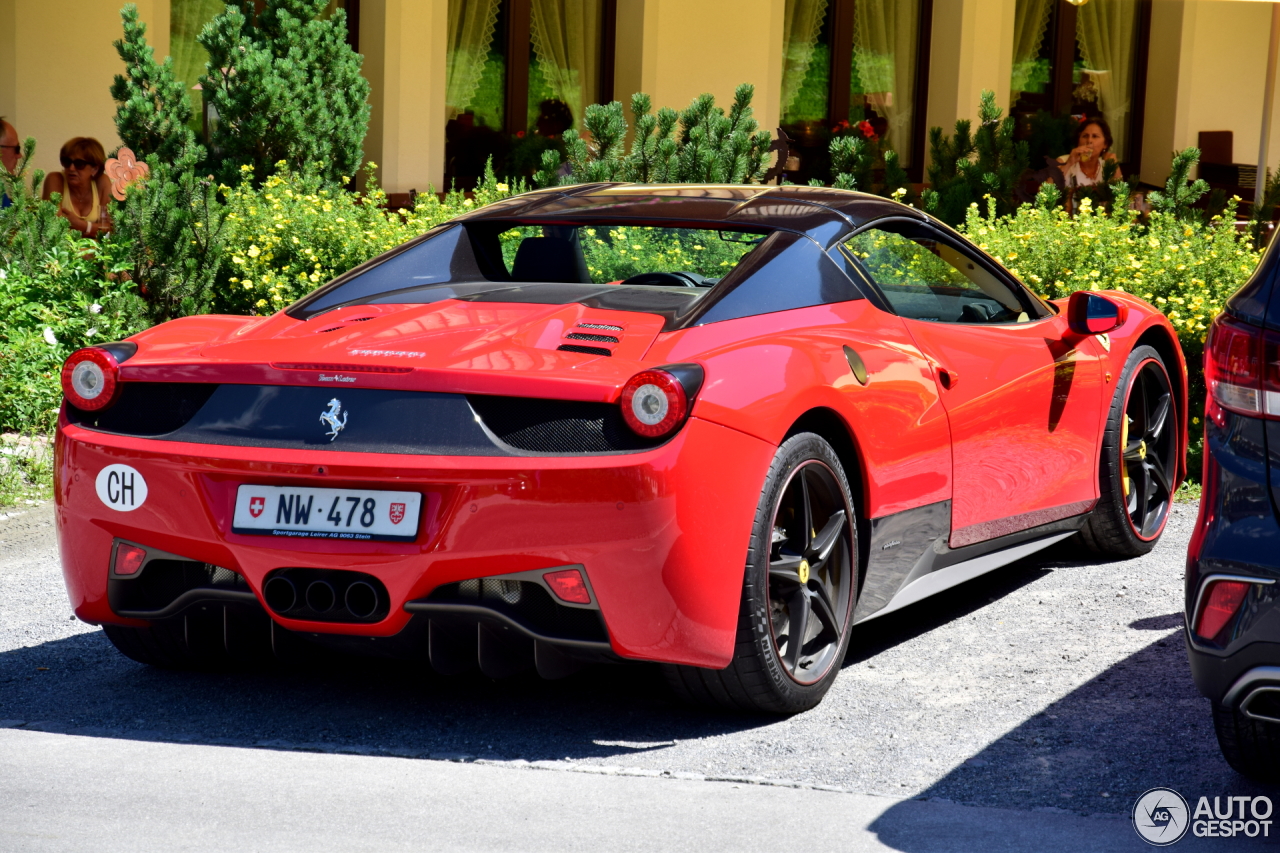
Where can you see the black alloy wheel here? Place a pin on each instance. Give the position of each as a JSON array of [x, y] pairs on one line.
[[798, 591], [810, 572], [1148, 449], [1139, 461]]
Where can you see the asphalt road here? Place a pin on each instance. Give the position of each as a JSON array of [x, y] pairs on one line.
[[1053, 691]]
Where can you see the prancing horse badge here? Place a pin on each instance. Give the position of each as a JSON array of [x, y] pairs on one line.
[[329, 417]]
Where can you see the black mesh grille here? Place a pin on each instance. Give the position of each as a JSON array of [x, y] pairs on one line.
[[528, 603], [148, 408], [605, 326], [584, 350], [604, 339], [162, 581], [558, 426]]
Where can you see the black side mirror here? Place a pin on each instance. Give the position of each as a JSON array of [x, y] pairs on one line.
[[1093, 314]]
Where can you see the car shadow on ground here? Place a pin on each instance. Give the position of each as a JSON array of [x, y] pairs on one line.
[[1141, 724]]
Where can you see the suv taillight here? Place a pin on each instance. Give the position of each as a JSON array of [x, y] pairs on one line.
[[1242, 368]]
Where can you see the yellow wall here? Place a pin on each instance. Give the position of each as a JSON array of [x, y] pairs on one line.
[[674, 50], [1207, 65], [56, 67], [972, 50], [404, 44]]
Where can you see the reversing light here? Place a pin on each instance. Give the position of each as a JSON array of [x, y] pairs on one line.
[[654, 403], [128, 559], [91, 379], [568, 585], [1221, 603]]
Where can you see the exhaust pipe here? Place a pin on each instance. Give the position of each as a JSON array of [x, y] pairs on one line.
[[361, 600], [280, 593], [321, 596]]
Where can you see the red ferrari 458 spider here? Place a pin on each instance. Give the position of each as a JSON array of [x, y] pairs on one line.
[[707, 426]]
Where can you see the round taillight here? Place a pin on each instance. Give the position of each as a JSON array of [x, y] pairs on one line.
[[91, 379], [654, 403]]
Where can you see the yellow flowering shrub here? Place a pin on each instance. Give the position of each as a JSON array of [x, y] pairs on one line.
[[292, 234]]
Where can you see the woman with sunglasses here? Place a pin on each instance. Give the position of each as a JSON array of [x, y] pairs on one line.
[[83, 185]]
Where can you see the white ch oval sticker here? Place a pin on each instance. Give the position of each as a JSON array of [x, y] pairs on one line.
[[121, 487]]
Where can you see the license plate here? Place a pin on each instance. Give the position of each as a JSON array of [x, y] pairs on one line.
[[307, 513]]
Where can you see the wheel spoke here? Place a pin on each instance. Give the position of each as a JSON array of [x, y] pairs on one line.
[[806, 536], [828, 536], [1161, 476], [1142, 486], [1158, 419], [798, 625], [823, 609]]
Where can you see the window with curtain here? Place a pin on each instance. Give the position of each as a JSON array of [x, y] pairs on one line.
[[1072, 63], [519, 74], [869, 51]]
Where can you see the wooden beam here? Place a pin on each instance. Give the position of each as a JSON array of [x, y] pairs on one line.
[[608, 49], [519, 18], [841, 61]]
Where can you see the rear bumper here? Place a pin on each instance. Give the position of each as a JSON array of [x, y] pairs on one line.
[[662, 535], [1236, 536]]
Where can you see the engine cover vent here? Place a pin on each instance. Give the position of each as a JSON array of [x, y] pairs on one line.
[[583, 350], [602, 326], [604, 339]]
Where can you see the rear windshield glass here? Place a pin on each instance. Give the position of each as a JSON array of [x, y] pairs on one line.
[[485, 260]]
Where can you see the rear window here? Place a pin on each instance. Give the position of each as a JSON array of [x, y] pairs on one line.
[[483, 259]]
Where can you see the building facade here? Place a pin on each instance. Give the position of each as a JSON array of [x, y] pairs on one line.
[[455, 81]]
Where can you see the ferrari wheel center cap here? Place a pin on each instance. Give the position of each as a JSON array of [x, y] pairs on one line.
[[1142, 450], [804, 571]]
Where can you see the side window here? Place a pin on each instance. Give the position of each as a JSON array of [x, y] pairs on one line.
[[923, 278]]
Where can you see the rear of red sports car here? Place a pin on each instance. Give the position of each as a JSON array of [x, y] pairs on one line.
[[452, 450]]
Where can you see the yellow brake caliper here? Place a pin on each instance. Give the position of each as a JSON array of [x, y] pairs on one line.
[[1124, 444]]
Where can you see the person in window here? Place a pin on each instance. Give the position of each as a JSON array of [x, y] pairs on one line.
[[10, 152], [1084, 166], [83, 185]]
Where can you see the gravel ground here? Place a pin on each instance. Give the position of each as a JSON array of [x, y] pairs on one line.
[[1059, 682]]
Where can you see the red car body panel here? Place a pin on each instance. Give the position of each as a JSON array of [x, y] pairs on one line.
[[661, 533], [1012, 442]]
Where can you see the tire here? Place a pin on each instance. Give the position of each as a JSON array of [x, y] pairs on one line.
[[768, 674], [1251, 747], [1138, 461]]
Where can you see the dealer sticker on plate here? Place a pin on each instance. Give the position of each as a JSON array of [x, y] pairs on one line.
[[307, 513]]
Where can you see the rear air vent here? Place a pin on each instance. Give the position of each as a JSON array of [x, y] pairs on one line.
[[604, 339], [583, 350], [344, 324], [603, 326]]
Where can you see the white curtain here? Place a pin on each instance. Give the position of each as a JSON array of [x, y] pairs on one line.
[[186, 19], [1030, 23], [884, 55], [566, 41], [801, 26], [471, 26], [1107, 31]]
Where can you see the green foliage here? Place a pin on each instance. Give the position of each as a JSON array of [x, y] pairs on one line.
[[28, 225], [169, 238], [152, 112], [969, 166], [26, 469], [294, 233], [1050, 136], [287, 88], [57, 294], [1264, 213], [699, 145], [1180, 192], [1185, 267]]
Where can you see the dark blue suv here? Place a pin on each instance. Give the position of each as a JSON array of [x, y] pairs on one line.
[[1233, 563]]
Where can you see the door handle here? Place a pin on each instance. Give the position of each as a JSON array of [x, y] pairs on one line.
[[946, 378]]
